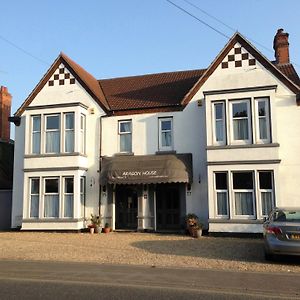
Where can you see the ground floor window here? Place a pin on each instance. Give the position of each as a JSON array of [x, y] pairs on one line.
[[51, 197], [68, 197], [243, 194], [34, 197]]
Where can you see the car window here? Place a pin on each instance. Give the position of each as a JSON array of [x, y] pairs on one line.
[[286, 216]]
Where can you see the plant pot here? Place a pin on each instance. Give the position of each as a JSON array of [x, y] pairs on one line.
[[98, 229], [198, 233], [106, 230], [92, 230]]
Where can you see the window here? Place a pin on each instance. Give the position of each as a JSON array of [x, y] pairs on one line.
[[243, 191], [68, 197], [51, 197], [241, 121], [219, 123], [221, 193], [53, 134], [125, 132], [82, 133], [263, 120], [165, 134], [266, 192], [34, 197], [82, 195], [69, 132], [36, 135]]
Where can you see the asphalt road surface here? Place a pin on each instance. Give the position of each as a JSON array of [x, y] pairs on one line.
[[57, 280]]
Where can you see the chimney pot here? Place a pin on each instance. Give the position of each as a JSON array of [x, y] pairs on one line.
[[281, 47]]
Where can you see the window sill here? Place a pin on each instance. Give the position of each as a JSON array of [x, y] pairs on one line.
[[54, 155], [237, 221], [221, 147], [165, 152], [124, 153], [51, 220]]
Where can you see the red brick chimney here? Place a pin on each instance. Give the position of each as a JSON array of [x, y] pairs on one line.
[[5, 106], [281, 47]]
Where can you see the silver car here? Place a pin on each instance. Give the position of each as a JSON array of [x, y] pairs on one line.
[[282, 232]]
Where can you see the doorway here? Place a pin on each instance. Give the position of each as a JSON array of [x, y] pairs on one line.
[[168, 207], [126, 207]]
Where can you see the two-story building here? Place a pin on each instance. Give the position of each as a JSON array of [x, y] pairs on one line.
[[143, 151]]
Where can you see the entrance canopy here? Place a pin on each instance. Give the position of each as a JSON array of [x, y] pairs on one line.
[[147, 169]]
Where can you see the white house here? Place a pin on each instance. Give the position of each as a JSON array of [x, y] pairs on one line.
[[143, 151]]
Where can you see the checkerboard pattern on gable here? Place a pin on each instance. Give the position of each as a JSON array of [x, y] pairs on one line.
[[61, 76], [238, 57]]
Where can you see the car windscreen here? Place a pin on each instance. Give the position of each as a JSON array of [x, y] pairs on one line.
[[287, 216]]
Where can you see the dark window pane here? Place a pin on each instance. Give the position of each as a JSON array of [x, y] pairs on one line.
[[35, 186], [166, 125], [69, 121], [265, 180], [262, 108], [52, 122], [221, 181], [69, 185], [36, 123], [243, 181], [219, 111], [125, 126], [239, 110], [51, 186]]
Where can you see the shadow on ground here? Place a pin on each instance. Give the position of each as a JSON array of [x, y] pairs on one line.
[[233, 249]]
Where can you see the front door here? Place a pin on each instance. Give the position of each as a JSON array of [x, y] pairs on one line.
[[126, 207], [167, 207]]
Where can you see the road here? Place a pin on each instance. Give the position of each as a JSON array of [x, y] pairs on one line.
[[58, 280]]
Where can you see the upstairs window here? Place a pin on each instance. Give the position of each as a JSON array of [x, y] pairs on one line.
[[240, 121], [82, 133], [69, 132], [36, 135], [219, 129], [263, 120], [165, 134], [52, 133], [125, 134]]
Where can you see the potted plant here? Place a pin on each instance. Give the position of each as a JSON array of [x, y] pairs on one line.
[[106, 228], [95, 225], [193, 225]]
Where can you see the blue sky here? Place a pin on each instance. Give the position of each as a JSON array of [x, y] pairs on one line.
[[129, 37]]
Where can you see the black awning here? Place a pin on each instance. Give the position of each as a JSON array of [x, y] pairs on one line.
[[147, 169]]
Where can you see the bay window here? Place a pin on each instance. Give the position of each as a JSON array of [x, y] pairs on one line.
[[51, 197], [243, 193], [240, 121], [165, 134], [52, 133], [36, 134], [34, 197], [125, 134], [221, 188], [219, 129], [68, 197], [69, 132], [266, 192]]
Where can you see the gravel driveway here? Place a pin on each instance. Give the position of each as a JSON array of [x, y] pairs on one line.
[[143, 249]]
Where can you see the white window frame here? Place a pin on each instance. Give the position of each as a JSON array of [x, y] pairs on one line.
[[160, 146], [31, 194], [35, 131], [260, 191], [249, 118], [216, 191], [52, 130], [215, 142], [65, 130], [67, 194], [233, 191], [45, 194], [124, 133], [82, 149], [267, 117]]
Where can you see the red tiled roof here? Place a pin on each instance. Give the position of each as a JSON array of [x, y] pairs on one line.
[[289, 71], [149, 91]]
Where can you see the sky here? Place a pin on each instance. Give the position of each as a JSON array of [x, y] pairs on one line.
[[116, 38]]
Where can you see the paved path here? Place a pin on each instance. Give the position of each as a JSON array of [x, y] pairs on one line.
[[58, 280]]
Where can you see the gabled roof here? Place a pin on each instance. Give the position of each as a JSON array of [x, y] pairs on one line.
[[86, 80], [149, 91], [238, 38], [289, 71]]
